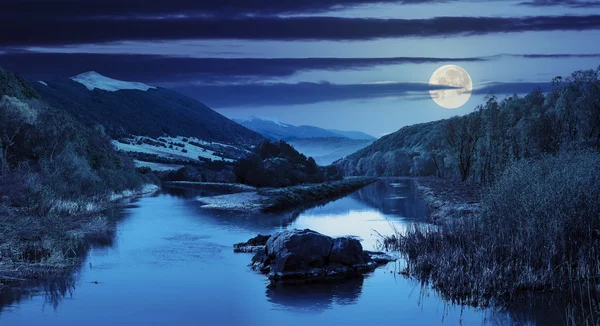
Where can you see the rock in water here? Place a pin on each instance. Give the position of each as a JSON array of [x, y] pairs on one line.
[[255, 244], [347, 251], [306, 255]]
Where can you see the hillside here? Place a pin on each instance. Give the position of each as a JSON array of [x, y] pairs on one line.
[[276, 130], [57, 176], [128, 108], [480, 145], [397, 154]]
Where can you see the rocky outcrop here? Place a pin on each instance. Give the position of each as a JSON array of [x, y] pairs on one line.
[[306, 255], [255, 244]]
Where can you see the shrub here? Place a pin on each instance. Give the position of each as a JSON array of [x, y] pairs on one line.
[[278, 164]]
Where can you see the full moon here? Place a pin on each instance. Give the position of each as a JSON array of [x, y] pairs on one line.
[[451, 75]]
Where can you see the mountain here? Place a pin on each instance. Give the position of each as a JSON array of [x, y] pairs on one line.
[[159, 128], [325, 146], [353, 134], [276, 130], [328, 150], [131, 108]]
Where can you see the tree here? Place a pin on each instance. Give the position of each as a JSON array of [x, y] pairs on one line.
[[462, 135], [15, 116]]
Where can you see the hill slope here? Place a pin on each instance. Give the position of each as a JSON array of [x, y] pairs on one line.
[[153, 112], [394, 154], [276, 130]]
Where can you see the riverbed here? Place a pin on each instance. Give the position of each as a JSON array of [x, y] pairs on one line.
[[171, 263]]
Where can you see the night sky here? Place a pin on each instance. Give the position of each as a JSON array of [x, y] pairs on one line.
[[343, 64]]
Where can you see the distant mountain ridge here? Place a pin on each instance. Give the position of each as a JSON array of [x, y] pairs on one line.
[[276, 130], [132, 108], [353, 134], [325, 146]]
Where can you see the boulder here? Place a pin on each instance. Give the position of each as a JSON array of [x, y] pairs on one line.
[[298, 249], [306, 255], [347, 251], [255, 244]]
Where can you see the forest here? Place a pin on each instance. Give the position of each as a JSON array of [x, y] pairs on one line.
[[478, 146], [536, 160], [278, 164]]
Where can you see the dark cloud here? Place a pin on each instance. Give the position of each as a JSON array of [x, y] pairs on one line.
[[566, 3], [511, 88], [559, 56], [28, 32], [49, 9], [155, 68], [261, 95], [258, 95], [52, 10]]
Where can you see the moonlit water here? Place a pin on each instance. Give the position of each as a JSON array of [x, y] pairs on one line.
[[171, 263]]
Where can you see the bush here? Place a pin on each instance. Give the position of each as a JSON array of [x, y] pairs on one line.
[[278, 164]]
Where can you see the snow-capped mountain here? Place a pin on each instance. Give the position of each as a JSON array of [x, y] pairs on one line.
[[93, 80], [127, 108], [276, 130]]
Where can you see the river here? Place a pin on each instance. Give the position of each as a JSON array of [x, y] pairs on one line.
[[171, 263]]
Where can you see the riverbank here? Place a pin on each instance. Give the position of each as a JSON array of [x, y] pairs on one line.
[[221, 187], [448, 198], [534, 238], [273, 200], [35, 247]]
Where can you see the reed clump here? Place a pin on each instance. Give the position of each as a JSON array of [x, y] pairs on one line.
[[538, 232]]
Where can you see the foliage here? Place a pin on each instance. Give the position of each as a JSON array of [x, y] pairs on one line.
[[480, 145], [539, 231], [277, 164], [208, 172], [282, 199]]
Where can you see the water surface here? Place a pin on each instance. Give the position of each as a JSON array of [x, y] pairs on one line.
[[171, 263]]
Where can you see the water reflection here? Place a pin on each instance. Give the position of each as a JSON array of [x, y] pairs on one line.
[[315, 297], [171, 262], [381, 208], [394, 197]]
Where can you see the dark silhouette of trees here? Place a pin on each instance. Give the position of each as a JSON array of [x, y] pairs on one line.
[[278, 164]]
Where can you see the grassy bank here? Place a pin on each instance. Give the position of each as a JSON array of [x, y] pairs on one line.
[[449, 198], [282, 199], [45, 246], [229, 188], [274, 200], [538, 232]]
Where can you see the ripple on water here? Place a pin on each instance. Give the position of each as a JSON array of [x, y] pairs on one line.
[[182, 248]]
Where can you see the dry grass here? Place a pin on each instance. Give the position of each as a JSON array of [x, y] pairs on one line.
[[42, 246], [538, 232]]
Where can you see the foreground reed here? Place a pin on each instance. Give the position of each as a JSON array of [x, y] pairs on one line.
[[538, 233]]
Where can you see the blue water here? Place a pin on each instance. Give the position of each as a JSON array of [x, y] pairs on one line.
[[171, 263]]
